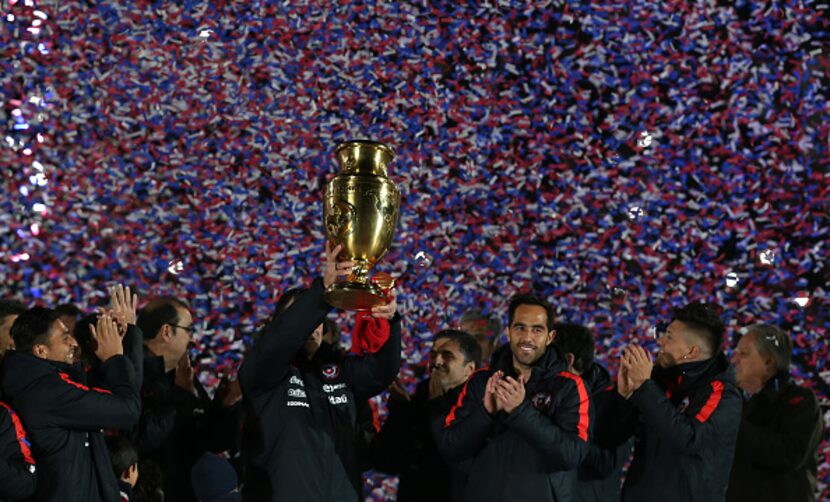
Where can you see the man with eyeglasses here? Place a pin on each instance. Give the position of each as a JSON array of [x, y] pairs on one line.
[[179, 422], [776, 457], [522, 426]]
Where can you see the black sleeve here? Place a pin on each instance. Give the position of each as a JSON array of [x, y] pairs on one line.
[[224, 426], [370, 374], [788, 446], [713, 412], [133, 344], [391, 448], [74, 405], [618, 422], [17, 473], [463, 431], [563, 437], [154, 427], [270, 359], [601, 463]]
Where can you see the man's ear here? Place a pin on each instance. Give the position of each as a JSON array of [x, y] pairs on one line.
[[551, 337], [770, 363], [570, 358], [469, 369], [694, 352], [166, 333], [40, 350]]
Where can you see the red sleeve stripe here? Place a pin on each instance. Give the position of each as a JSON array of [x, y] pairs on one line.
[[584, 403], [21, 436], [66, 378], [451, 415], [711, 403]]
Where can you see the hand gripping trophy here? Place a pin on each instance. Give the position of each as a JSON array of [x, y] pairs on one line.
[[360, 212]]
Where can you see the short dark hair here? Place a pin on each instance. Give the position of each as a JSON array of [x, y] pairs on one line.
[[529, 299], [32, 328], [770, 339], [703, 320], [86, 342], [123, 454], [67, 309], [10, 307], [157, 313], [476, 315], [467, 344], [577, 340]]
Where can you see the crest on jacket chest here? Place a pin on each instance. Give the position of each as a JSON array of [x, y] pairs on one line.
[[684, 404], [330, 371], [541, 400]]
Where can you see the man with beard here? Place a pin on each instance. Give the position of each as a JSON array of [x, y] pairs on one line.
[[524, 424], [405, 445], [300, 429], [685, 412]]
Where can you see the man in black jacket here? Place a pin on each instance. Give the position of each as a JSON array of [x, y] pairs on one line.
[[179, 422], [63, 416], [776, 457], [525, 422], [300, 428], [601, 471], [405, 444], [685, 412]]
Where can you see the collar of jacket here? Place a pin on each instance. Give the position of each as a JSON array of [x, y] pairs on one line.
[[597, 378], [20, 369], [682, 377], [550, 363], [153, 364], [325, 353], [775, 385]]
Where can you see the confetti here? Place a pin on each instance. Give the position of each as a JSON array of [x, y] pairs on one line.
[[619, 161]]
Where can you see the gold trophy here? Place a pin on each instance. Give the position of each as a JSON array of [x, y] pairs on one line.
[[360, 212]]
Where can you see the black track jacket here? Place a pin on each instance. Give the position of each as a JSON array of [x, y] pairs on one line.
[[686, 419], [64, 418], [300, 424], [776, 457], [531, 454]]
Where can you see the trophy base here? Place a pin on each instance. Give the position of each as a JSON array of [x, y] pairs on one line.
[[354, 296]]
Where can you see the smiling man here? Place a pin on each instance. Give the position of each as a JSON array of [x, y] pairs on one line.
[[524, 424], [405, 445], [62, 414], [685, 413]]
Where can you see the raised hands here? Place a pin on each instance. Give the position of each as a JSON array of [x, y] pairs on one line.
[[510, 393], [334, 269], [388, 310], [106, 336], [123, 305], [503, 393], [635, 369]]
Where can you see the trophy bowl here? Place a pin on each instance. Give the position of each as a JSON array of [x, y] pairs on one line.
[[360, 213]]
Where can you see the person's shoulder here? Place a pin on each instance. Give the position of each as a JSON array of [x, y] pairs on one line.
[[798, 396]]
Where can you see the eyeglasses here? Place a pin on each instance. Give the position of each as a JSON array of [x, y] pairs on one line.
[[189, 329]]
